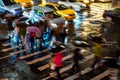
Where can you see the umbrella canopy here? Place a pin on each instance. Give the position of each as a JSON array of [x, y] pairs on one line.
[[33, 29], [81, 44], [99, 40], [23, 18], [110, 62]]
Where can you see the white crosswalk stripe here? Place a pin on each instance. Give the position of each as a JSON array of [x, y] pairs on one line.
[[102, 75]]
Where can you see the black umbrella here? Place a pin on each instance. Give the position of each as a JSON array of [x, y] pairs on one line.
[[81, 44], [99, 40], [110, 62], [23, 18]]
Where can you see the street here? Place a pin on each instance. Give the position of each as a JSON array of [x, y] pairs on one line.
[[39, 60]]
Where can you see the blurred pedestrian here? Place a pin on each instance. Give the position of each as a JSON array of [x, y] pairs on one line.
[[98, 52], [27, 41], [77, 56], [42, 26], [60, 32], [71, 31], [32, 38], [20, 33], [57, 63]]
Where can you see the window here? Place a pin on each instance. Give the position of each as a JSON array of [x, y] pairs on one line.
[[50, 6], [8, 2], [56, 15], [62, 7]]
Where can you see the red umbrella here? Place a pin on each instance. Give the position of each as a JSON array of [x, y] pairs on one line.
[[33, 29]]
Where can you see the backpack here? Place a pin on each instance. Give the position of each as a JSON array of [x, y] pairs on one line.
[[33, 34]]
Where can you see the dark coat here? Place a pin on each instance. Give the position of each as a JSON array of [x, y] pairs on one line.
[[77, 56]]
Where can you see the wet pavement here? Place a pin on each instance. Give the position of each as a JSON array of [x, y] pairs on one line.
[[111, 33]]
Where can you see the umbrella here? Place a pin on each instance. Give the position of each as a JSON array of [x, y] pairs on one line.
[[110, 62], [99, 40], [81, 44], [33, 29], [23, 18]]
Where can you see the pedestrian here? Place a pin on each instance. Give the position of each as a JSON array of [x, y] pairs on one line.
[[42, 26], [32, 40], [77, 56], [71, 31], [60, 32], [57, 64], [27, 41], [98, 53], [20, 30]]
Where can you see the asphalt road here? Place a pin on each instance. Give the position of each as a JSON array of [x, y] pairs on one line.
[[111, 29]]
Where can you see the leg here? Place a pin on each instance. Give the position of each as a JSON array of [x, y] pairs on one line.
[[96, 60], [57, 69], [76, 67], [32, 44]]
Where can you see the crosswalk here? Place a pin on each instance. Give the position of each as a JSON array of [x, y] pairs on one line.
[[67, 56], [102, 75]]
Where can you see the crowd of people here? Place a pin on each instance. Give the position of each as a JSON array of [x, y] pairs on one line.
[[27, 34]]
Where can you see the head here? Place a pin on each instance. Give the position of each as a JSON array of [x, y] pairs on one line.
[[77, 50]]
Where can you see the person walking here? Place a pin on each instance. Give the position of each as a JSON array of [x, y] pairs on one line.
[[60, 32], [57, 64], [20, 32], [32, 39], [71, 31], [98, 52], [77, 56]]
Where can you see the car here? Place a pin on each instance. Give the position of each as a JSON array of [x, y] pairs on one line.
[[61, 9], [112, 15], [24, 3], [8, 7], [38, 13], [77, 6]]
